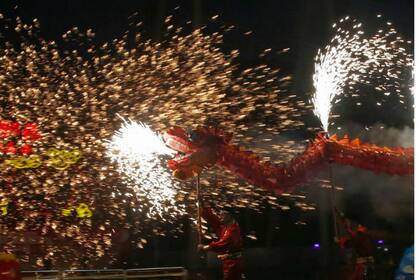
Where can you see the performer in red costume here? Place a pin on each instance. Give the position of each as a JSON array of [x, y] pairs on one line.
[[229, 245], [9, 267], [359, 240]]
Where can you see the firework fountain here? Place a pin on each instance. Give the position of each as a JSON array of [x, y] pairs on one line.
[[137, 150], [352, 59]]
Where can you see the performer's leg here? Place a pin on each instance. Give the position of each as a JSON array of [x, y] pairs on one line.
[[358, 273], [232, 269]]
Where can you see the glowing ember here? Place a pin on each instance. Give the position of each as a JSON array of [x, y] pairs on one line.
[[353, 58], [137, 151], [73, 89]]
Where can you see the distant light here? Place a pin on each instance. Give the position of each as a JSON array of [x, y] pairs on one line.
[[380, 241], [317, 246], [386, 249]]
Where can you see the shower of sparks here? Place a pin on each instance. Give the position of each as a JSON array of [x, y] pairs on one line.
[[73, 89], [353, 59], [138, 152]]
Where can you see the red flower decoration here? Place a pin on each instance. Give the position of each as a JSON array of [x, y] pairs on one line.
[[26, 149], [30, 132], [8, 128], [11, 148]]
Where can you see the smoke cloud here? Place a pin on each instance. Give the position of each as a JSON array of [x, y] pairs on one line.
[[377, 200]]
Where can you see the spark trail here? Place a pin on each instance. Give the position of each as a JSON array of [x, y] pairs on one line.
[[73, 89], [352, 59]]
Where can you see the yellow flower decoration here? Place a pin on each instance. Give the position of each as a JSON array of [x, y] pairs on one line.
[[33, 161], [66, 212], [3, 208], [83, 211], [62, 159]]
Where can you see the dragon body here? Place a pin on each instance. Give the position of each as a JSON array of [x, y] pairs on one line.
[[207, 146]]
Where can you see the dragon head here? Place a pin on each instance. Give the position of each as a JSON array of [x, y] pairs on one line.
[[197, 149]]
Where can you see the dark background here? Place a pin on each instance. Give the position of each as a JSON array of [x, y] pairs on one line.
[[383, 203]]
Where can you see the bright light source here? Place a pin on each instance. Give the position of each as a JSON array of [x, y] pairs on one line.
[[138, 152]]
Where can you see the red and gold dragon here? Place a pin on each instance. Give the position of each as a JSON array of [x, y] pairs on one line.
[[206, 146]]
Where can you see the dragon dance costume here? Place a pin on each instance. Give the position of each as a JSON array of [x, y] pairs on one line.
[[228, 247], [360, 241]]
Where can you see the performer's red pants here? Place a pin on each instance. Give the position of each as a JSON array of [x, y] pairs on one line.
[[363, 271], [232, 269], [358, 272]]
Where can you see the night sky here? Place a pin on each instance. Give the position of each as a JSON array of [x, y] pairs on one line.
[[303, 26], [381, 202]]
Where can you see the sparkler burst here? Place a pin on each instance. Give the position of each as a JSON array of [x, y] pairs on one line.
[[73, 89], [353, 59], [137, 150]]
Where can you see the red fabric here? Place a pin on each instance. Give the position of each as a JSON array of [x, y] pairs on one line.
[[211, 146], [362, 244], [176, 138], [358, 272], [26, 149], [9, 270], [230, 241], [30, 132], [11, 149], [359, 241], [393, 161], [8, 128], [233, 269], [278, 178], [212, 219]]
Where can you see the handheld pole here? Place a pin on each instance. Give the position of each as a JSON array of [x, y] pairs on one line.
[[333, 201], [332, 197], [199, 226]]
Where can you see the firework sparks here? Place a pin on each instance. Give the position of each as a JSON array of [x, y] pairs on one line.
[[137, 150], [352, 59], [73, 89]]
